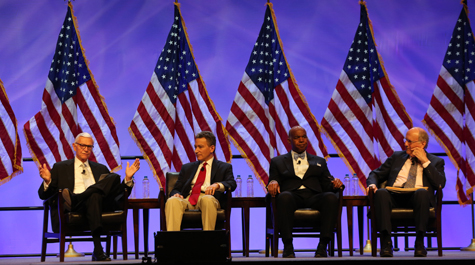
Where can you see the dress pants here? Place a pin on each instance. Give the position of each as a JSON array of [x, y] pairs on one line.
[[175, 207], [288, 202], [385, 201], [97, 198]]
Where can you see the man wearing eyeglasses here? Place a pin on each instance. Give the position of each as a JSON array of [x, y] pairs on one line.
[[415, 170], [87, 186]]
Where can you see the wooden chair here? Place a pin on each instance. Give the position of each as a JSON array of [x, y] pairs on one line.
[[73, 226], [403, 224], [306, 224], [192, 218]]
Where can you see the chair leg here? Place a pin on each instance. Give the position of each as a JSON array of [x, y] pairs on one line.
[[267, 245], [275, 245], [114, 246], [43, 249], [124, 245], [62, 243]]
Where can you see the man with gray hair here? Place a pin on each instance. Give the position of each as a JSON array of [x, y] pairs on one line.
[[87, 186], [413, 168]]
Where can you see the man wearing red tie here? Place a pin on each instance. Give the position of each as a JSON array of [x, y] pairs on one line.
[[200, 185]]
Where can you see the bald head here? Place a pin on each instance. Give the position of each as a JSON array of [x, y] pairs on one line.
[[298, 139]]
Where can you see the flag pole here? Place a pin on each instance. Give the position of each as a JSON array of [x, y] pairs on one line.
[[471, 247]]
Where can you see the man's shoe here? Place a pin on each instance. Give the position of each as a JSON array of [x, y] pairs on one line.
[[100, 257], [321, 251], [420, 250], [67, 199], [288, 251]]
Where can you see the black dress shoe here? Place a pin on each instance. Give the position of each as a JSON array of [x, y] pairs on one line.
[[386, 251], [420, 250], [100, 257], [67, 199], [321, 251], [288, 251]]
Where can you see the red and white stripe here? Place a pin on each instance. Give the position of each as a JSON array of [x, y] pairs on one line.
[[260, 131], [165, 132], [445, 119], [11, 162], [365, 134]]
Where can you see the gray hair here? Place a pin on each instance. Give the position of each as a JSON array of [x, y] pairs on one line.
[[423, 136], [85, 135]]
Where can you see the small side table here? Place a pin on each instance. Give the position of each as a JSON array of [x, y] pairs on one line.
[[245, 203], [145, 205], [350, 202]]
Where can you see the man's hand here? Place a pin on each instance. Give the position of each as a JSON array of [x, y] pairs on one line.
[[45, 174], [337, 183], [178, 195], [130, 170], [372, 186], [420, 153], [211, 189], [273, 188]]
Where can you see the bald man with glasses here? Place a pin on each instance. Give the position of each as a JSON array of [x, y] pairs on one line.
[[417, 170]]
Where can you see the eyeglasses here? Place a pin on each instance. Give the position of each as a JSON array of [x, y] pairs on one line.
[[411, 142], [85, 146]]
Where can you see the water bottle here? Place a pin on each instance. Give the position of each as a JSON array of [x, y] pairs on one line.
[[133, 195], [238, 191], [355, 184], [250, 186], [347, 185], [146, 187]]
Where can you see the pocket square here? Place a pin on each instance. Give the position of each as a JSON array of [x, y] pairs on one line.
[[318, 164]]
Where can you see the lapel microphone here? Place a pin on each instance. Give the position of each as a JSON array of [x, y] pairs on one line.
[[202, 169], [298, 162], [83, 172]]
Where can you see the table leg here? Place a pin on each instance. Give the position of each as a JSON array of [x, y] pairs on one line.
[[360, 228], [349, 215], [245, 216], [136, 232], [146, 213]]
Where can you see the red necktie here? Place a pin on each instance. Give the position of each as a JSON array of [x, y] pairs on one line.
[[195, 192]]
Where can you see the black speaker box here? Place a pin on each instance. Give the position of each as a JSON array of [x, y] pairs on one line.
[[191, 246]]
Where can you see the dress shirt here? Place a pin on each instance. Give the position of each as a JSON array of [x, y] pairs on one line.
[[300, 166], [207, 181], [404, 173]]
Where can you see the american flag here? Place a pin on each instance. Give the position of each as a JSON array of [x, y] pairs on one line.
[[365, 120], [71, 104], [268, 103], [175, 107], [11, 163], [450, 114]]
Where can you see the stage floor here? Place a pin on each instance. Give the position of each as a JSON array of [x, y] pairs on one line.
[[449, 257]]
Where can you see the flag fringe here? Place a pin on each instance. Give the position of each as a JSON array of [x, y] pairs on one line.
[[155, 175], [223, 128], [249, 163], [302, 97]]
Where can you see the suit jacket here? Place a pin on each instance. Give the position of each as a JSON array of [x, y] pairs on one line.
[[62, 177], [317, 177], [220, 172], [433, 175]]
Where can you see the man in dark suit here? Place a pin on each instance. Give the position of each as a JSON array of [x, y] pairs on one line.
[[302, 180], [200, 185], [413, 168], [87, 186]]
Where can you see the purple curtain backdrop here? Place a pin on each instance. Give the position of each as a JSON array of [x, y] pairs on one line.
[[123, 39]]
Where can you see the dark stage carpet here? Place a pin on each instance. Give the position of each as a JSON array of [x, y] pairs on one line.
[[449, 257]]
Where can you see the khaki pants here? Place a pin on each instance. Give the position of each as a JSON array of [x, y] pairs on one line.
[[175, 207]]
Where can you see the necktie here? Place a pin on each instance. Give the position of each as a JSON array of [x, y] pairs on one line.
[[301, 156], [411, 179], [85, 177], [195, 192]]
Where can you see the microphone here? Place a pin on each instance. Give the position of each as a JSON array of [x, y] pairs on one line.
[[202, 169], [83, 172], [298, 162]]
